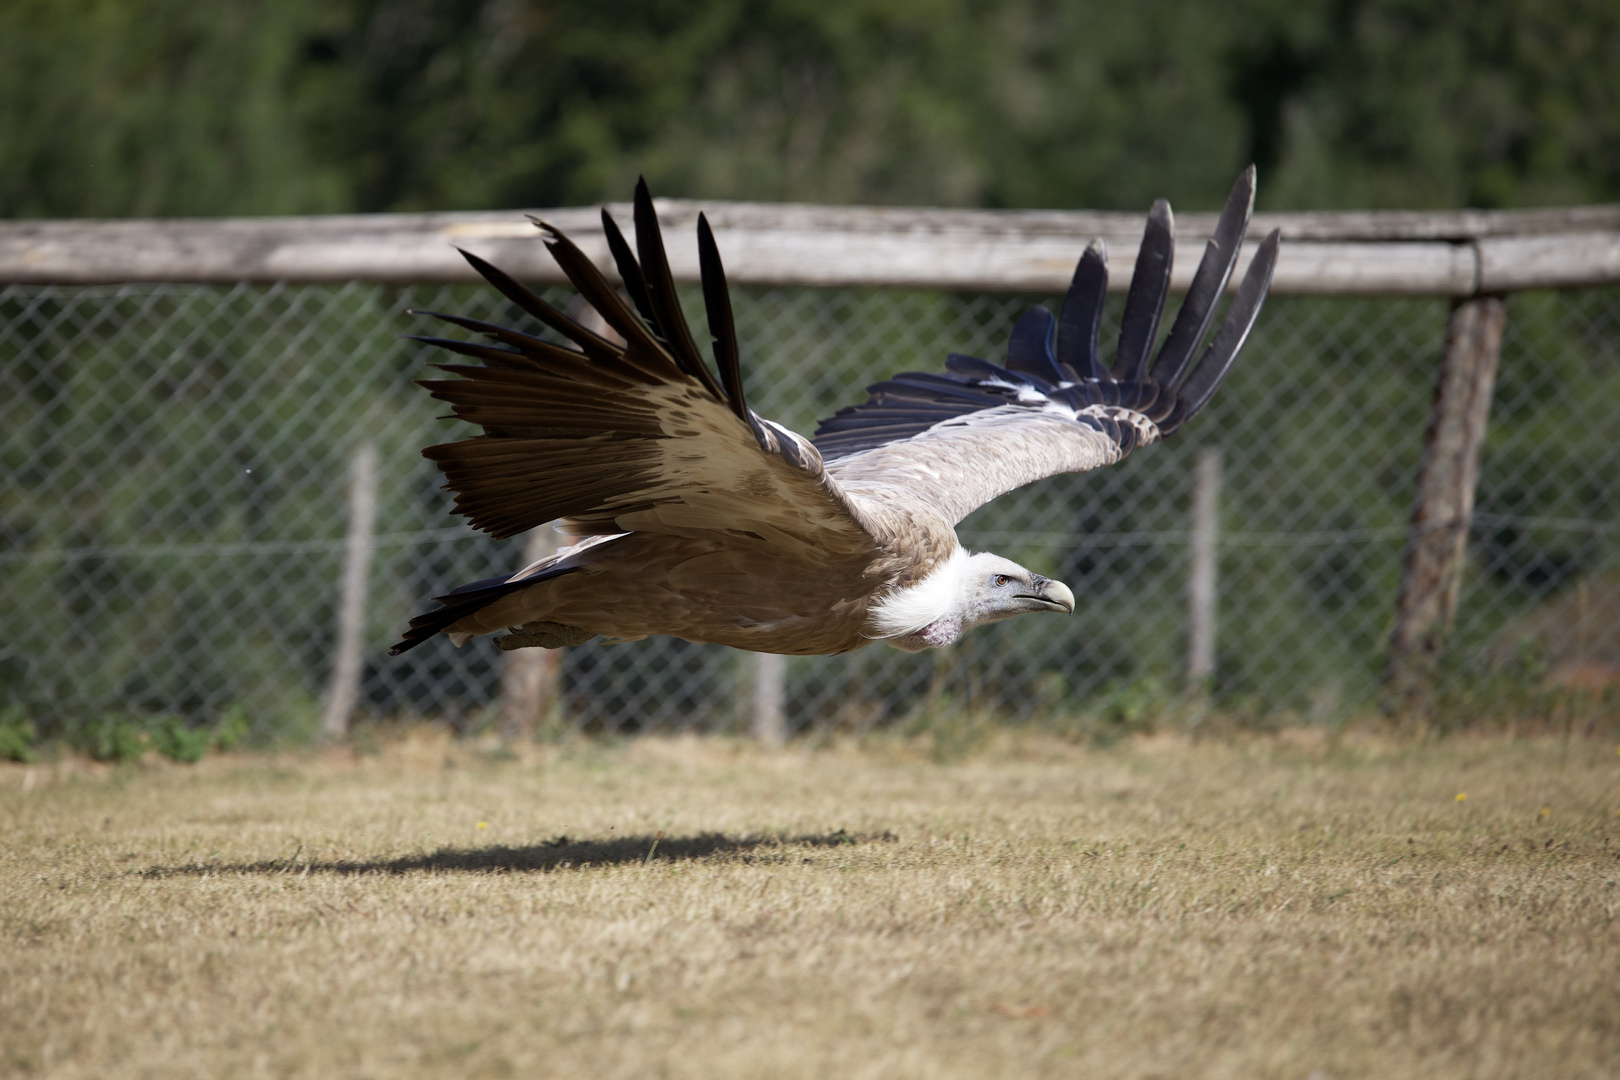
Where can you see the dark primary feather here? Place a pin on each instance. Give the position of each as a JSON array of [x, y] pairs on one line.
[[584, 276], [661, 294], [717, 304], [593, 343], [1144, 303], [515, 338], [629, 270], [1080, 318], [1029, 348], [1240, 318], [659, 305], [1209, 282], [973, 367], [1042, 368]]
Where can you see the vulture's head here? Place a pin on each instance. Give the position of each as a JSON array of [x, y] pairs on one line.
[[994, 588], [963, 592]]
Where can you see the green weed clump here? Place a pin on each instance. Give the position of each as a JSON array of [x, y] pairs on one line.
[[119, 738], [231, 727], [112, 738], [174, 740], [17, 735], [1137, 707]]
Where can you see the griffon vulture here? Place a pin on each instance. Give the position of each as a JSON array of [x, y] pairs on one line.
[[697, 518]]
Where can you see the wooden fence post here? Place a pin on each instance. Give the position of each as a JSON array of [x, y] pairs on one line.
[[767, 721], [1437, 540], [530, 678], [1202, 569], [344, 690]]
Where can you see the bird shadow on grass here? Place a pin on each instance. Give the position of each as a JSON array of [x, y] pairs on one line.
[[560, 853]]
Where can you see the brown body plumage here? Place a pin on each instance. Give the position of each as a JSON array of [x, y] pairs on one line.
[[701, 520]]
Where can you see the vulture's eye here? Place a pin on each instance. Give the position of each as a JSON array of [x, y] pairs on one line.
[[1002, 581]]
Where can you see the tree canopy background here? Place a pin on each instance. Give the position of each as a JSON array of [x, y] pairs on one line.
[[169, 107]]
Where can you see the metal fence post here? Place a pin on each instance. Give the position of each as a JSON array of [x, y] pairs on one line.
[[344, 690], [530, 678], [1436, 542], [1202, 569]]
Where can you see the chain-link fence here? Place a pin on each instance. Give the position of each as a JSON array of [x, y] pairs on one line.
[[175, 459]]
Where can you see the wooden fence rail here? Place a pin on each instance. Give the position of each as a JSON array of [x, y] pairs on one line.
[[1387, 253]]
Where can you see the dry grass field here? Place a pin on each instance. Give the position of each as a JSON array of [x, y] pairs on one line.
[[1289, 906]]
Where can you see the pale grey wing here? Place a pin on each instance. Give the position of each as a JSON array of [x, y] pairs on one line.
[[637, 436], [957, 465], [960, 438]]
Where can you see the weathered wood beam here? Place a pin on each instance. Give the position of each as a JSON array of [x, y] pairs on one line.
[[767, 720], [1437, 541], [531, 679], [343, 692], [1514, 263], [1448, 254]]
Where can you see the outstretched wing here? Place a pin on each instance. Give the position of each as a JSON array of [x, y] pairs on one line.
[[637, 436], [959, 439]]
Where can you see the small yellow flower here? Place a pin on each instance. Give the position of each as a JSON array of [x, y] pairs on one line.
[[1462, 796], [483, 824], [1545, 810]]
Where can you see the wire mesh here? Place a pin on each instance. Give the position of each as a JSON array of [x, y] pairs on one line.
[[172, 509]]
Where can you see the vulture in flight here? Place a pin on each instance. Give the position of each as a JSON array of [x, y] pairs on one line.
[[698, 518]]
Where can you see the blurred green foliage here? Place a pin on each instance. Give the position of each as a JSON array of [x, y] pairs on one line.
[[167, 107], [119, 737], [232, 727], [17, 735], [172, 738], [112, 737]]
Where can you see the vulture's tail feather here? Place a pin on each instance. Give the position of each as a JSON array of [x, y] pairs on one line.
[[1080, 318], [722, 327], [1208, 283], [1029, 349], [1240, 318], [464, 601], [1144, 303]]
